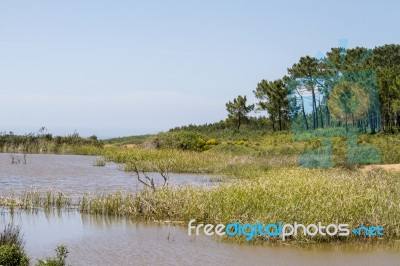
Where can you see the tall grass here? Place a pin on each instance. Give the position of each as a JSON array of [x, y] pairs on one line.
[[289, 195], [306, 197], [239, 159], [34, 199]]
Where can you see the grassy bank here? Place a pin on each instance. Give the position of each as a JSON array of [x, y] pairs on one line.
[[307, 196], [240, 159], [265, 184]]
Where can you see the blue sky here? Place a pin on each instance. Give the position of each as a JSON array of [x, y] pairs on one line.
[[116, 68]]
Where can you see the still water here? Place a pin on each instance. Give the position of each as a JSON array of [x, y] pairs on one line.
[[96, 240], [75, 174]]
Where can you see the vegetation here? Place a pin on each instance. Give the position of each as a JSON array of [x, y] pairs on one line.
[[12, 235], [58, 260], [318, 101], [354, 196], [12, 247], [133, 140], [311, 81], [12, 251], [100, 161], [235, 158], [43, 142], [238, 110], [273, 99], [12, 255]]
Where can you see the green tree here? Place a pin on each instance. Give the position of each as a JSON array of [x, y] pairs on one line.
[[386, 62], [273, 99], [306, 71], [238, 110], [389, 95]]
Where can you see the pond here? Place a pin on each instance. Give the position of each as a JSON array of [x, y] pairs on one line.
[[94, 240], [74, 174], [100, 240]]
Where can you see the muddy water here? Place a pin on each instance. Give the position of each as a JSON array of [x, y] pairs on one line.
[[74, 174], [94, 240]]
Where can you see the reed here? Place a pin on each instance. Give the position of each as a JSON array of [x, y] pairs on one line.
[[354, 196], [100, 161]]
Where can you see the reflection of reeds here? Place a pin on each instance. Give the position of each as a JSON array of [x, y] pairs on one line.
[[306, 196], [303, 196]]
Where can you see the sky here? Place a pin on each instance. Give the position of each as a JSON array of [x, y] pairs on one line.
[[118, 68]]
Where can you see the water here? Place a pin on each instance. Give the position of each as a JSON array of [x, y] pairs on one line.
[[97, 240], [94, 240], [75, 174]]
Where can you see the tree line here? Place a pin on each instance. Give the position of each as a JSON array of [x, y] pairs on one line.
[[356, 87]]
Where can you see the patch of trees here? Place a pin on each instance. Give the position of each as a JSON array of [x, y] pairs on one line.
[[305, 91]]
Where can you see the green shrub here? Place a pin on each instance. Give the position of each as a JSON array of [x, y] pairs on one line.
[[184, 140], [12, 255]]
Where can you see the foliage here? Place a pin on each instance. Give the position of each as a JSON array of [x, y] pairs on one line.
[[140, 139], [183, 140], [238, 110], [13, 255], [58, 260], [43, 142], [375, 69], [354, 196], [11, 235], [12, 247], [255, 128], [273, 99]]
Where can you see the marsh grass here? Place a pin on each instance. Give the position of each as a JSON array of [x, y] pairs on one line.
[[34, 199], [224, 164], [263, 183], [304, 197], [242, 159], [289, 195]]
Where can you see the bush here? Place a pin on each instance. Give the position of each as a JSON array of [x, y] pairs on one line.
[[184, 140], [13, 255]]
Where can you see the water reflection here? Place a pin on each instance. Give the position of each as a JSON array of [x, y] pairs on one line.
[[103, 240]]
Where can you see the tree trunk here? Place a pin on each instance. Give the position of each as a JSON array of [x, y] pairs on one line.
[[302, 109], [314, 105]]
